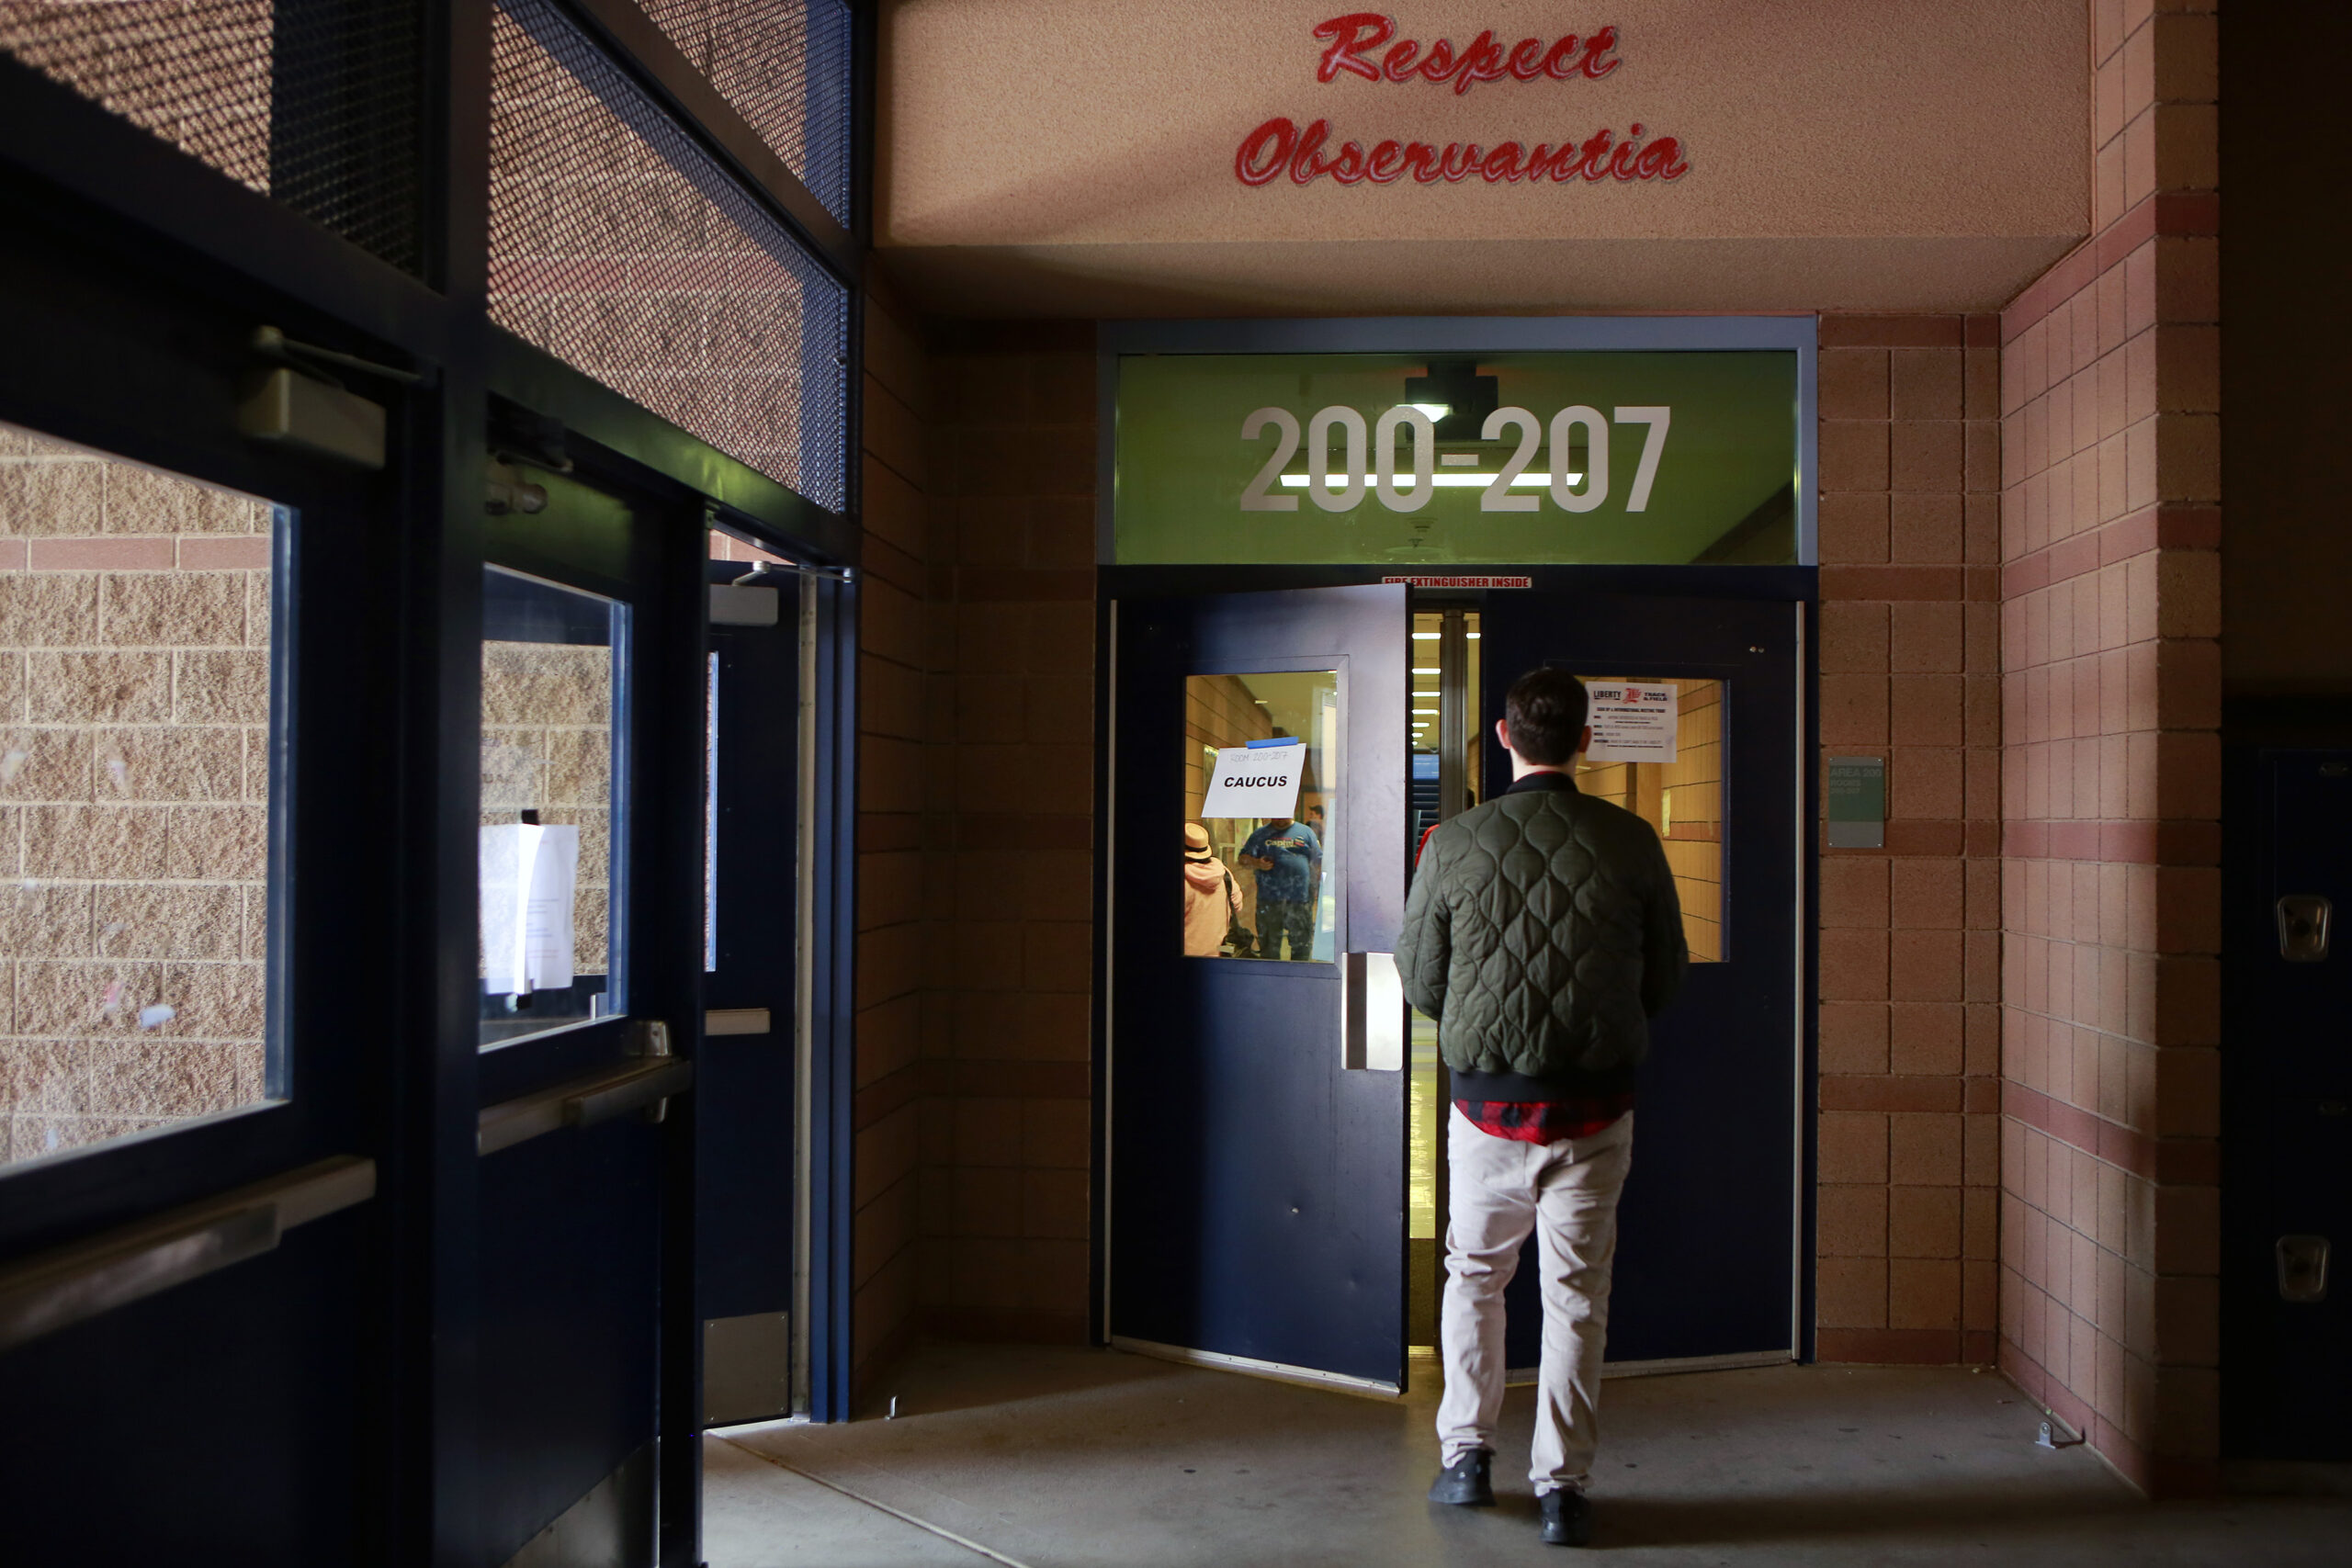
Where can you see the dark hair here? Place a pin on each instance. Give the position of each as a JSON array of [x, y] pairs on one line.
[[1545, 710]]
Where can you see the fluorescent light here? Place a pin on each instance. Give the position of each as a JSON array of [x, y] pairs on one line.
[[1419, 670], [1424, 710], [1424, 637], [1435, 411], [1335, 483], [1474, 636]]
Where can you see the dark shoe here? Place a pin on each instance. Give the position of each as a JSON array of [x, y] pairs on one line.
[[1567, 1519], [1466, 1481]]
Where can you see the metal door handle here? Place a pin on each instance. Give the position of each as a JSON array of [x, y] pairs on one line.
[[57, 1289], [643, 1090], [2303, 1267], [583, 1102], [2303, 926], [1372, 1013]]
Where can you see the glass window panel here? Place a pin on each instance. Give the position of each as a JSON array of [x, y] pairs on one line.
[[1684, 801], [621, 247], [1261, 883], [317, 106], [553, 722], [785, 65], [139, 716]]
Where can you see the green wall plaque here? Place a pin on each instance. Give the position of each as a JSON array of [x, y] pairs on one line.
[[1857, 799]]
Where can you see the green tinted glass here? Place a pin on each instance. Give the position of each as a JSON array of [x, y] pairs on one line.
[[1508, 459]]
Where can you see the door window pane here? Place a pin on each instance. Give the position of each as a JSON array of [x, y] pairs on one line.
[[1260, 785], [1682, 799], [553, 706], [139, 715]]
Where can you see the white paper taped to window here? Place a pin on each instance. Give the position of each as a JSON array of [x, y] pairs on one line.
[[529, 877], [1258, 782], [1630, 722]]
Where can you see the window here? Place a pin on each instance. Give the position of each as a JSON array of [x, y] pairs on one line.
[[554, 721], [1260, 785], [1683, 799], [140, 720]]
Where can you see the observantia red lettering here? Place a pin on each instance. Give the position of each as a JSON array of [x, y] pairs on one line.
[[1280, 147]]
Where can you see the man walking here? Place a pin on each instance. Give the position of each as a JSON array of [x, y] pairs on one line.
[[1542, 933]]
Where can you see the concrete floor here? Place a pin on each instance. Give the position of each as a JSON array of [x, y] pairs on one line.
[[1083, 1459]]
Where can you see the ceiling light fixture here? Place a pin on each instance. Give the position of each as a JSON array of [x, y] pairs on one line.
[[1455, 386]]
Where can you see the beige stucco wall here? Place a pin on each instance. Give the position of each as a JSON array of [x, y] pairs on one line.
[[1078, 156]]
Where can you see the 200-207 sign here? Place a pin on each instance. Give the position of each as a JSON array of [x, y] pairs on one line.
[[1573, 483], [1425, 464]]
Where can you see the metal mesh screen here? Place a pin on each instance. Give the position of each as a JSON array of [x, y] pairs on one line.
[[620, 247], [785, 64], [314, 102]]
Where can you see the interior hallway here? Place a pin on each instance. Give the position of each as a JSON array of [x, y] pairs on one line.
[[1086, 1458]]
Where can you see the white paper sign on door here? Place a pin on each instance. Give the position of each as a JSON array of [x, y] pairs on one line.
[[529, 877], [1631, 723], [1256, 782]]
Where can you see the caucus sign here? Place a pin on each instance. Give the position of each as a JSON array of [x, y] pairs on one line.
[[1366, 45]]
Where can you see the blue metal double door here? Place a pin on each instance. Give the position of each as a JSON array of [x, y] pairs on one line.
[[1256, 1157]]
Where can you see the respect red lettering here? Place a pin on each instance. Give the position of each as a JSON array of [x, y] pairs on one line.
[[1351, 40]]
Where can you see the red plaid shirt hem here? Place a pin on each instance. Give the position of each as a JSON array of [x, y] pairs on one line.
[[1544, 1121]]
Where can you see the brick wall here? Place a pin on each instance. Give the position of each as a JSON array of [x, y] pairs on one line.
[[893, 656], [1910, 944], [975, 835], [2110, 527], [135, 728], [1008, 831]]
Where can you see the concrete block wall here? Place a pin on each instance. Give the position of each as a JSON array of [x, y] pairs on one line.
[[1910, 938], [134, 788], [2111, 703]]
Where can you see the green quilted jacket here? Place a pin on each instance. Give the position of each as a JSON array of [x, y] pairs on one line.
[[1542, 933]]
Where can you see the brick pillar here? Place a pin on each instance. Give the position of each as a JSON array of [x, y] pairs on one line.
[[1909, 944], [1007, 835], [2110, 622], [892, 652]]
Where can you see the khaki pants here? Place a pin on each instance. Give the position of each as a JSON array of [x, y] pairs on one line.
[[1566, 1192]]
